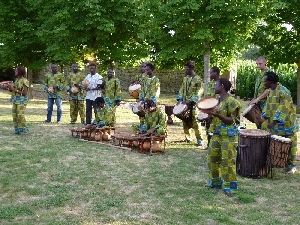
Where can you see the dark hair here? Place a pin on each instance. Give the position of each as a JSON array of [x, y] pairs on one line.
[[21, 71], [99, 100], [151, 66], [271, 77], [190, 64], [226, 84], [215, 69]]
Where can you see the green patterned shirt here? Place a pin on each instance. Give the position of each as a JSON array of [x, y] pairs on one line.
[[150, 89], [112, 91], [17, 98], [156, 119], [76, 79], [104, 117], [209, 89], [57, 81], [227, 107], [190, 88], [279, 107]]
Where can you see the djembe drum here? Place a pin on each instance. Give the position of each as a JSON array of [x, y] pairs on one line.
[[207, 104], [169, 112], [252, 153], [279, 151], [182, 111], [134, 90], [253, 114]]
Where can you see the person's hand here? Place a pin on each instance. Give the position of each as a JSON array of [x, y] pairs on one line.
[[151, 131]]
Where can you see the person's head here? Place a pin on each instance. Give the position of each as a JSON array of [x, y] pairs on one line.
[[189, 67], [74, 68], [222, 86], [20, 71], [149, 68], [214, 73], [261, 63], [149, 106], [54, 68], [92, 67], [143, 67], [110, 73], [99, 102], [271, 80]]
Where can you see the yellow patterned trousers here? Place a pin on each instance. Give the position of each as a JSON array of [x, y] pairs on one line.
[[77, 106], [18, 114]]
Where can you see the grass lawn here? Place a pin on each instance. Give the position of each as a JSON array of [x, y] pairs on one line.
[[48, 177]]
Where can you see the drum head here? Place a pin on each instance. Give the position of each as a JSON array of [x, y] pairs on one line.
[[280, 138], [254, 133], [179, 108], [207, 103], [134, 87]]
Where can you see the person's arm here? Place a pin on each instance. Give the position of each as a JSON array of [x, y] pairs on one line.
[[261, 97]]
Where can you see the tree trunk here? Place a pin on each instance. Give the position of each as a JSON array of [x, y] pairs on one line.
[[30, 79], [206, 60], [298, 87]]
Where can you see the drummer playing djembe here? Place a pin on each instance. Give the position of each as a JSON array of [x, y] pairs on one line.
[[19, 100], [76, 94], [150, 85], [222, 146], [280, 115], [189, 93]]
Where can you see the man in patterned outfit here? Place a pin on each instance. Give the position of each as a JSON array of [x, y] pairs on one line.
[[150, 85], [104, 114], [189, 93], [154, 121], [76, 94], [54, 84], [280, 115], [139, 77], [112, 93], [222, 146], [19, 100], [260, 92], [209, 89]]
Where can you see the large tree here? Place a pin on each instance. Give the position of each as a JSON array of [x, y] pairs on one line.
[[279, 34], [19, 42], [192, 29]]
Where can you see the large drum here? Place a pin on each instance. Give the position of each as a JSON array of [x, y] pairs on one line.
[[279, 151], [182, 111], [134, 90], [253, 114], [207, 104], [252, 153]]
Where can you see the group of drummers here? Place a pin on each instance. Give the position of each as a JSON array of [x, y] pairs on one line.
[[216, 108]]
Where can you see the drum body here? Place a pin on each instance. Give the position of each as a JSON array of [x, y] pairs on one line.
[[182, 111], [169, 112], [253, 114], [134, 90], [252, 153], [279, 151]]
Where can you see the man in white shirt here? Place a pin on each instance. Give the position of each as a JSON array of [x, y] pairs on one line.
[[94, 90]]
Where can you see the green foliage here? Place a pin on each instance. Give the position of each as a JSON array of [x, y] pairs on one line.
[[247, 73]]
